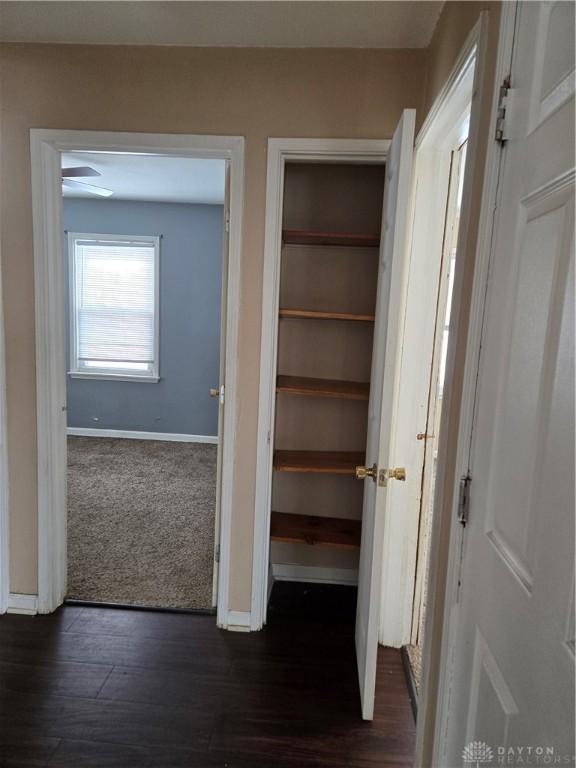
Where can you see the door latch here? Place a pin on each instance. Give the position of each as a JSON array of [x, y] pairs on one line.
[[398, 473], [382, 476]]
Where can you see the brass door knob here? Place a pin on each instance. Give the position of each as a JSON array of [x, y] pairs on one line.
[[214, 392], [363, 472]]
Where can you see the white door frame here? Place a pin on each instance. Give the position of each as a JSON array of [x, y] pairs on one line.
[[430, 183], [46, 149], [441, 622], [4, 509], [281, 151]]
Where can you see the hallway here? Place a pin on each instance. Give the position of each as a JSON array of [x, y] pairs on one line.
[[134, 689]]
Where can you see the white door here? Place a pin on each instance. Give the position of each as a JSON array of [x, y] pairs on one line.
[[512, 681], [380, 411], [221, 383]]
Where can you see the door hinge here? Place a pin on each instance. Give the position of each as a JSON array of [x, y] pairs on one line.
[[227, 221], [464, 498], [503, 106], [217, 554]]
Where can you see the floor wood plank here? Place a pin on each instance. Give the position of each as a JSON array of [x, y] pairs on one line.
[[105, 688]]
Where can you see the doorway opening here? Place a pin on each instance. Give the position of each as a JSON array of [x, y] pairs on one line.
[[315, 361], [431, 435], [331, 223], [336, 227], [144, 253], [47, 147]]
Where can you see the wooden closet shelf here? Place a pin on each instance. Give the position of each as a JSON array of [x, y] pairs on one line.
[[350, 239], [300, 385], [309, 314], [311, 529], [321, 462]]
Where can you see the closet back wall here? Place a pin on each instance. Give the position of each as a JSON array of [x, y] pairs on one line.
[[190, 285]]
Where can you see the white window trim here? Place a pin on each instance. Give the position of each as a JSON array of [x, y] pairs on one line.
[[150, 377]]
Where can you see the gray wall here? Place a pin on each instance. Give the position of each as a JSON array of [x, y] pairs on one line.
[[190, 284]]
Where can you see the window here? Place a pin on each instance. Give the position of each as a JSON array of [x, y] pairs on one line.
[[114, 306]]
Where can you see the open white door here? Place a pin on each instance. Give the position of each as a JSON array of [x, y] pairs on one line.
[[511, 697], [221, 383], [380, 410]]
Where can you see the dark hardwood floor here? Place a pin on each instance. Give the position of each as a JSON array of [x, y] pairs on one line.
[[107, 688]]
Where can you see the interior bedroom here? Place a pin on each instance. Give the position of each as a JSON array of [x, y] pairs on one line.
[[143, 264]]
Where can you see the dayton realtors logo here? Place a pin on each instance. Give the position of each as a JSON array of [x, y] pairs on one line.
[[476, 753]]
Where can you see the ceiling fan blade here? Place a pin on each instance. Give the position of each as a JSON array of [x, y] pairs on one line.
[[80, 170], [90, 188]]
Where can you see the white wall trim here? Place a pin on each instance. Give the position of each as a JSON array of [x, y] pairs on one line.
[[281, 151], [442, 609], [451, 85], [314, 574], [24, 604], [46, 146], [238, 621], [124, 434], [4, 507]]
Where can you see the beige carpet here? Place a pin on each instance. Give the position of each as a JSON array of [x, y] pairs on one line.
[[141, 522]]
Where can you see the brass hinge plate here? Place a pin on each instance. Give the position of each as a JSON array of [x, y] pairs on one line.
[[464, 499]]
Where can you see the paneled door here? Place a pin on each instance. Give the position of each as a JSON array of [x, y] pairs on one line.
[[385, 368], [512, 684]]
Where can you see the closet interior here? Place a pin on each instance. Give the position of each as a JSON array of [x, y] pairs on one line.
[[329, 266]]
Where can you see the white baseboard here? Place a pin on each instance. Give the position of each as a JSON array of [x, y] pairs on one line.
[[238, 621], [24, 604], [292, 572], [135, 435]]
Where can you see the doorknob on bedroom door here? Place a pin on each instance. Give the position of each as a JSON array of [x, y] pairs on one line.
[[217, 393], [363, 472]]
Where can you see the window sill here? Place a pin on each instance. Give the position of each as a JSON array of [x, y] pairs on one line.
[[114, 377]]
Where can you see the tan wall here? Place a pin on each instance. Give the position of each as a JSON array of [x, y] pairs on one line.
[[452, 29], [256, 93]]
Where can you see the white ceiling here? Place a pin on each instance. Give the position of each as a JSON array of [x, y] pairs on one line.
[[150, 177], [301, 23]]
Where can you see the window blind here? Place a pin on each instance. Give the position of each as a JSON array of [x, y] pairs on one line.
[[114, 303]]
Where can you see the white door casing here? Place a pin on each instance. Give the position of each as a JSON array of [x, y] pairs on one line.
[[46, 146], [281, 151], [4, 529], [383, 384], [514, 649]]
